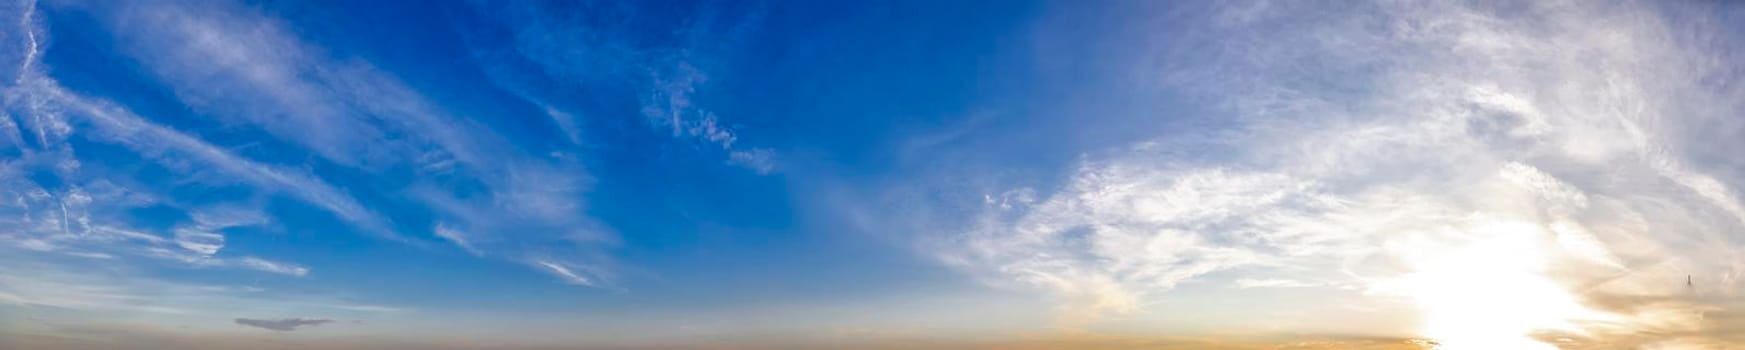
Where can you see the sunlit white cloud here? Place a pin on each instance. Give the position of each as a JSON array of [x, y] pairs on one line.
[[1360, 148]]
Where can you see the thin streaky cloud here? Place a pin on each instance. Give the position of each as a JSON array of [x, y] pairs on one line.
[[273, 266], [302, 93], [565, 272], [57, 113]]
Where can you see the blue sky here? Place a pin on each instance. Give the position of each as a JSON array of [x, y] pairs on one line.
[[818, 174]]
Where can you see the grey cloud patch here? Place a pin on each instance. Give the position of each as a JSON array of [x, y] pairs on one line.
[[282, 325]]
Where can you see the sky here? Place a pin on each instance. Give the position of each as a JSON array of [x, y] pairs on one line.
[[1020, 174]]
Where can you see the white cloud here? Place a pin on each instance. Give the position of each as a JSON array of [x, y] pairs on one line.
[[120, 233], [669, 103], [757, 159], [1246, 283], [273, 266], [44, 288], [668, 77], [564, 120], [62, 293], [454, 236], [203, 243], [564, 271], [114, 124], [251, 72], [53, 111], [1349, 148], [35, 244]]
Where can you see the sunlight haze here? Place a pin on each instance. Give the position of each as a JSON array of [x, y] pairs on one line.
[[768, 174]]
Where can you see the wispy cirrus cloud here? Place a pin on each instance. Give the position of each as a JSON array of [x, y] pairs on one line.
[[1381, 150], [456, 237], [273, 266], [249, 72], [669, 102], [41, 286], [71, 293], [570, 274], [82, 212], [666, 76]]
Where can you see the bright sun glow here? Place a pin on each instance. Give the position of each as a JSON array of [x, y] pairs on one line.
[[1492, 293]]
